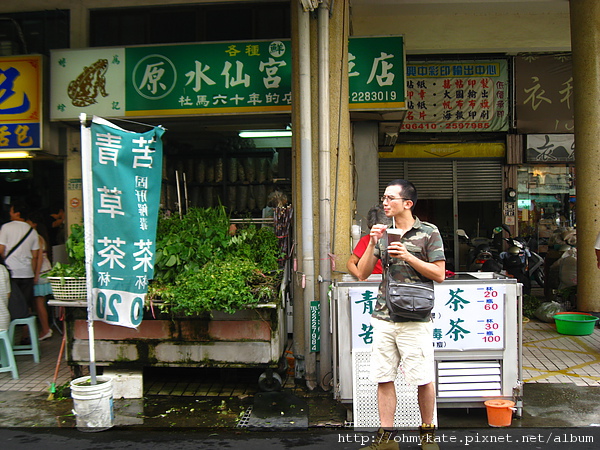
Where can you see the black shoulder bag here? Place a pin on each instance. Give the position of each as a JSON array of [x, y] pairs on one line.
[[407, 301], [17, 304]]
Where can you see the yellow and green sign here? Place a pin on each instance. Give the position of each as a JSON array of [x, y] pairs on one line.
[[20, 102]]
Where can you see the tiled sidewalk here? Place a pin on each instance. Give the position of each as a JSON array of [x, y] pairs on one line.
[[550, 357], [37, 377]]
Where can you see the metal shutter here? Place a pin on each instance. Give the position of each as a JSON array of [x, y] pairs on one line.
[[475, 180], [433, 179], [479, 181]]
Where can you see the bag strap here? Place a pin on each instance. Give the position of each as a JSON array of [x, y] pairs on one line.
[[18, 243], [386, 265]]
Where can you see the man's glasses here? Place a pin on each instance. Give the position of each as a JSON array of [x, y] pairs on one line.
[[389, 198]]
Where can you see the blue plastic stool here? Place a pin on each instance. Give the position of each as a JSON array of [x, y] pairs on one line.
[[7, 357], [31, 349]]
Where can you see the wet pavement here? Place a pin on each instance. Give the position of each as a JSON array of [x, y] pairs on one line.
[[561, 377], [545, 406]]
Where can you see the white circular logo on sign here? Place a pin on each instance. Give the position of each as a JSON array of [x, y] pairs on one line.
[[154, 77], [276, 49]]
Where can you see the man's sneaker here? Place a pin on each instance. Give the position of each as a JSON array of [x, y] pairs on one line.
[[427, 437], [48, 335], [383, 440]]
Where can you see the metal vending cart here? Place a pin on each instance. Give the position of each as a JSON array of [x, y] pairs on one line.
[[477, 340]]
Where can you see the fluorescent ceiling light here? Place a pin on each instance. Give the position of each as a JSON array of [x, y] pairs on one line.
[[14, 170], [265, 133], [14, 155]]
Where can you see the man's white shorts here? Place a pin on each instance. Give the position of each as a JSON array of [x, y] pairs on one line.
[[409, 342]]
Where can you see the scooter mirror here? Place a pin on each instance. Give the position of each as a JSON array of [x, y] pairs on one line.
[[497, 230]]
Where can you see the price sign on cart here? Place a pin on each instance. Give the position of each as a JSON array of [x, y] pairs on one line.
[[465, 316], [469, 317]]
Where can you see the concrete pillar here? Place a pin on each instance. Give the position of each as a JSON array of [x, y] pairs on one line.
[[340, 135], [585, 44], [340, 177]]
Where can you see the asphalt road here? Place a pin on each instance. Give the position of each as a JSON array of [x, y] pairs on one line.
[[340, 439]]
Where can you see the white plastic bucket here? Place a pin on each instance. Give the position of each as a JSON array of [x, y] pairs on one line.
[[93, 403]]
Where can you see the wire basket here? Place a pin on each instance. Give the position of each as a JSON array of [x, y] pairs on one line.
[[68, 288]]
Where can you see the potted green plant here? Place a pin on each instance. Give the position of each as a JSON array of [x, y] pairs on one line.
[[68, 280], [201, 266]]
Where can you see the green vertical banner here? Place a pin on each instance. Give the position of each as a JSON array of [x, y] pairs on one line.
[[315, 326], [126, 184]]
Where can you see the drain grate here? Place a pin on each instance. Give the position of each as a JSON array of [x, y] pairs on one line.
[[245, 419]]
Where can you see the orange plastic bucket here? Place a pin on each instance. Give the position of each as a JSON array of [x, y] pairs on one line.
[[499, 412]]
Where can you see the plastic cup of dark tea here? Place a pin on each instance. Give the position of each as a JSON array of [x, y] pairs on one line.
[[394, 235]]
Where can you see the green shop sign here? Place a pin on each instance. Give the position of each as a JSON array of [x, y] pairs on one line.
[[376, 73], [209, 78], [212, 78]]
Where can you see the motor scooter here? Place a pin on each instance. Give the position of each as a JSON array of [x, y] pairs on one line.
[[480, 251], [520, 262], [535, 267]]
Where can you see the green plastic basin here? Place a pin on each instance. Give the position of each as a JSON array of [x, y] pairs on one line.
[[575, 324]]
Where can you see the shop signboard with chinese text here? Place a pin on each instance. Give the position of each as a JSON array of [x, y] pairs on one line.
[[89, 80], [126, 183], [376, 73], [211, 78], [466, 316], [544, 93], [21, 102], [446, 150], [550, 148], [457, 96]]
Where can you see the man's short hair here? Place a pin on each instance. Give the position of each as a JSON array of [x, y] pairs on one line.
[[408, 190]]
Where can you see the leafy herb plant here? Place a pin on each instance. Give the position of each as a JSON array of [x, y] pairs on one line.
[[200, 266], [75, 247]]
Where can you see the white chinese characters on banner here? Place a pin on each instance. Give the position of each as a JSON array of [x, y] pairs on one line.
[[466, 317]]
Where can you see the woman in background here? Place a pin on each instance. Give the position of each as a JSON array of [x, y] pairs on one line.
[[41, 287], [374, 216], [4, 296]]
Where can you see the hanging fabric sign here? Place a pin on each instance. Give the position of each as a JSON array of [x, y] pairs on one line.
[[126, 183]]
